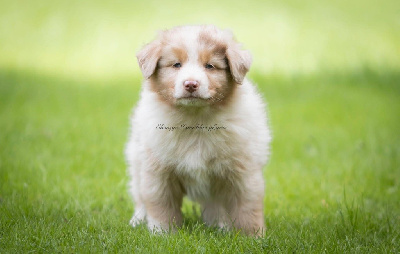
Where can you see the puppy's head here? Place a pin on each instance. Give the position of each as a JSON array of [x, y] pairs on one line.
[[194, 65]]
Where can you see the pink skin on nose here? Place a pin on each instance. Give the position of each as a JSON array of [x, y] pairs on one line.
[[191, 85]]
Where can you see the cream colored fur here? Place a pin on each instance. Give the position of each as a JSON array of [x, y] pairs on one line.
[[221, 169]]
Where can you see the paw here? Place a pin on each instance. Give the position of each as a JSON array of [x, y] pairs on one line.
[[138, 217], [135, 221], [155, 226]]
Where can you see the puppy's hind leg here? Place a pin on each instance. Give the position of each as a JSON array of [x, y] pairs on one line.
[[245, 208], [214, 214]]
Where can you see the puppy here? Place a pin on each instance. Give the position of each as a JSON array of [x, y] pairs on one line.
[[200, 130]]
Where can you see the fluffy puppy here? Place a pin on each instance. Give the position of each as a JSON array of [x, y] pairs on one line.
[[200, 130]]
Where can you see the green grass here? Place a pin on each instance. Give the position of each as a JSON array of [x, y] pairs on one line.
[[68, 80]]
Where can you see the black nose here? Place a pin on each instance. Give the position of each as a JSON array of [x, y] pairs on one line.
[[191, 85]]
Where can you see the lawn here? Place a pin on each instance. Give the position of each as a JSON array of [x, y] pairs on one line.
[[68, 80]]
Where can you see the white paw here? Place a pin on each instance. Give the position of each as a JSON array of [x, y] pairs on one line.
[[222, 225], [138, 217], [135, 221], [154, 225]]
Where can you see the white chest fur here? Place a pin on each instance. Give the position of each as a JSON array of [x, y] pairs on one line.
[[196, 155]]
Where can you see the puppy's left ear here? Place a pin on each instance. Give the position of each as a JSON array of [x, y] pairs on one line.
[[239, 62], [148, 58]]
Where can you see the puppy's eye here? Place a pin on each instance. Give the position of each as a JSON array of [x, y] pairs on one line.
[[177, 65], [209, 66]]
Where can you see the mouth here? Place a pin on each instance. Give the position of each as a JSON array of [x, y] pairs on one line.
[[191, 101], [190, 97]]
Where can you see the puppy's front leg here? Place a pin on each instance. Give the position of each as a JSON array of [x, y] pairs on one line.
[[162, 195]]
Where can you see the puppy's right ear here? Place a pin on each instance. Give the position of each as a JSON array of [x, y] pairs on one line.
[[148, 58]]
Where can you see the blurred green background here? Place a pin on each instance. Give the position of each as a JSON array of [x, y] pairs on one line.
[[99, 38], [330, 71]]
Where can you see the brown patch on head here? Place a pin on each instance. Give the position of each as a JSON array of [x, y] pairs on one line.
[[212, 50], [180, 53], [163, 83], [163, 80], [171, 54], [220, 87], [239, 60]]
